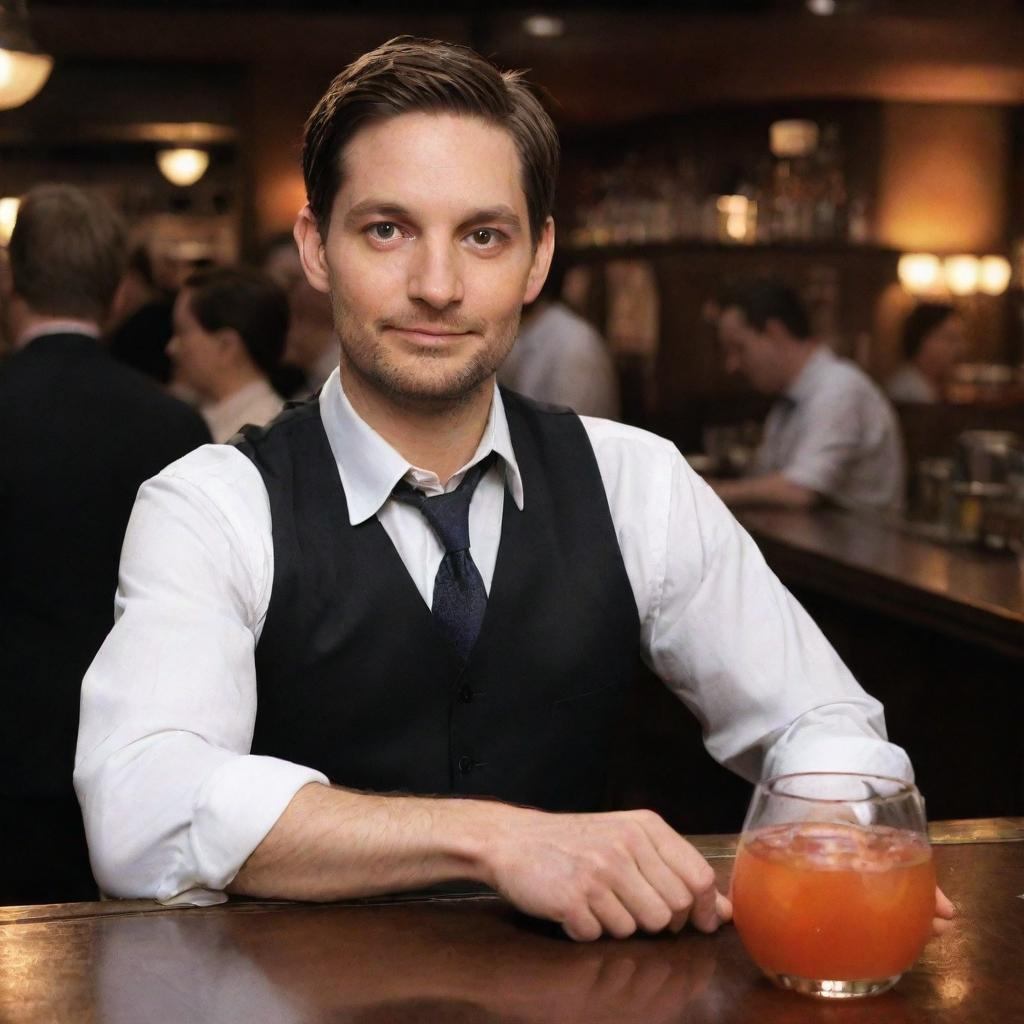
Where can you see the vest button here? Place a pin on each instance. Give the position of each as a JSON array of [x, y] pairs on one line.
[[466, 695], [465, 764]]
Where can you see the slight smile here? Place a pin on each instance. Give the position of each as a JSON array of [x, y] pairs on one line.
[[428, 335]]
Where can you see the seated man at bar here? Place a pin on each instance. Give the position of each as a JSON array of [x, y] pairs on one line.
[[383, 642], [933, 343], [831, 435]]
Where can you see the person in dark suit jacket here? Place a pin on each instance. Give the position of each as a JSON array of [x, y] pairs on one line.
[[78, 434]]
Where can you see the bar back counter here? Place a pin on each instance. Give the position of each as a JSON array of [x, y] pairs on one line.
[[935, 632]]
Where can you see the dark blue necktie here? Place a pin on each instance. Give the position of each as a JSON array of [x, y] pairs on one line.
[[460, 599]]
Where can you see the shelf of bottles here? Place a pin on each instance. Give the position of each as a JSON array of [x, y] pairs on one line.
[[796, 192]]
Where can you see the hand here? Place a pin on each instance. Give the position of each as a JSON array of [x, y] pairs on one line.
[[944, 913], [596, 873]]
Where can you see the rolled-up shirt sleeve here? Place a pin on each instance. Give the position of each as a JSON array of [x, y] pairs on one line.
[[173, 802], [770, 692]]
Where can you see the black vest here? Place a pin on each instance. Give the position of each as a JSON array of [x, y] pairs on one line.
[[353, 678]]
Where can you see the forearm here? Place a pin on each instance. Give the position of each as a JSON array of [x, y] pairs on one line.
[[773, 489], [332, 843], [590, 872]]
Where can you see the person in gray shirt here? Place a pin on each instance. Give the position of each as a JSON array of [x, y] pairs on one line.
[[831, 434]]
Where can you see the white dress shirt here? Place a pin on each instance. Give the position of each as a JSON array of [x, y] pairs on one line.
[[174, 802], [559, 358], [257, 403], [835, 433]]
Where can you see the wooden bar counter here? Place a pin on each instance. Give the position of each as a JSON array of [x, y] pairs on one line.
[[935, 632], [473, 960], [961, 591]]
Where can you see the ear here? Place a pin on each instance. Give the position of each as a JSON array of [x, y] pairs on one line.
[[311, 250], [230, 347], [541, 261]]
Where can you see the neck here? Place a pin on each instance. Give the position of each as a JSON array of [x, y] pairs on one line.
[[233, 380], [439, 438], [800, 355], [21, 319]]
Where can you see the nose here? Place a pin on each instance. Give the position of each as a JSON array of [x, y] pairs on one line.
[[172, 347], [435, 273]]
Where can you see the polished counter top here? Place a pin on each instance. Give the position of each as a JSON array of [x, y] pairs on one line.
[[968, 592], [474, 960]]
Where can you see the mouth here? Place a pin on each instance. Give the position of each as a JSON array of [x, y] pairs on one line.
[[431, 337]]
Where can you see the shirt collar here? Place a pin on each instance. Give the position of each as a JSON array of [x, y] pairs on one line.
[[369, 467], [807, 379], [87, 328]]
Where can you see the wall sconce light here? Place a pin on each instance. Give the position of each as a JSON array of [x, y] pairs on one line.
[[23, 68], [924, 274], [994, 275], [8, 215], [183, 167], [961, 274], [920, 273]]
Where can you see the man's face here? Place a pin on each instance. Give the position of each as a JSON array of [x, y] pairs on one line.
[[196, 353], [428, 257], [747, 351]]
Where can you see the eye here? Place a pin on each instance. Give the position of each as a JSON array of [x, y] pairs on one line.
[[384, 231], [487, 238]]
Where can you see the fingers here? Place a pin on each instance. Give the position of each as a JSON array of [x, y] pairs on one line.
[[693, 871], [944, 913], [943, 905]]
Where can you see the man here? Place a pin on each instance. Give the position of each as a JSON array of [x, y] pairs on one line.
[[934, 341], [229, 329], [831, 435], [559, 358], [78, 434], [349, 697]]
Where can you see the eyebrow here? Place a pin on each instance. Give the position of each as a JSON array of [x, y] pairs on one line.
[[498, 214]]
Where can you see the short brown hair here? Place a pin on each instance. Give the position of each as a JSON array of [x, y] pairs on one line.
[[408, 75], [67, 252], [249, 302]]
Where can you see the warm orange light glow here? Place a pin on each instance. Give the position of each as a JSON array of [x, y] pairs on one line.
[[8, 215], [22, 75], [994, 275], [961, 273], [183, 167], [920, 273]]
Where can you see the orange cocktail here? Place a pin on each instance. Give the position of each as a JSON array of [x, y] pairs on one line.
[[842, 902]]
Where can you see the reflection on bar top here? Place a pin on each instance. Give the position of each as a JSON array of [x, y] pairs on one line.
[[974, 830]]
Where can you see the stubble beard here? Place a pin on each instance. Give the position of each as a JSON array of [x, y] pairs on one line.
[[427, 381]]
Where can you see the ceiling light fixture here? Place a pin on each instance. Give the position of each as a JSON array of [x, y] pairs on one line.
[[24, 69], [822, 7], [182, 166], [544, 26]]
